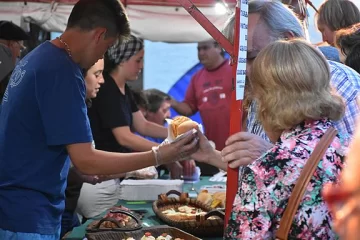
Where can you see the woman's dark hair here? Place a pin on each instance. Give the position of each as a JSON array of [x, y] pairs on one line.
[[338, 14], [347, 38], [109, 14], [353, 58]]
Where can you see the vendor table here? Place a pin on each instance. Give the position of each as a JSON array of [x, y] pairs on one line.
[[149, 219]]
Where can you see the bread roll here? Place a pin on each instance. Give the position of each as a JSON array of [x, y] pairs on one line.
[[181, 124], [205, 197], [221, 196], [186, 126]]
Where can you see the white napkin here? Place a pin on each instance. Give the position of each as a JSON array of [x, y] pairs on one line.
[[219, 177]]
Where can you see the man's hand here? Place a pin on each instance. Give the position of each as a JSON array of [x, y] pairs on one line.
[[92, 179], [178, 150], [243, 148]]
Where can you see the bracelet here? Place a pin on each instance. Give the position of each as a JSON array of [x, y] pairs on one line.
[[156, 152]]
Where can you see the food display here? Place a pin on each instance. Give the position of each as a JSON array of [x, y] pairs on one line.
[[180, 125], [116, 217], [215, 200], [183, 213], [149, 236]]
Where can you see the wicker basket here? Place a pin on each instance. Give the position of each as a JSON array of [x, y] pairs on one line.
[[136, 223], [155, 231], [202, 226]]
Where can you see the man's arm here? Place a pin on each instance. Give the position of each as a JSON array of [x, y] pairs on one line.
[[90, 161], [189, 106], [128, 139], [182, 108], [147, 128]]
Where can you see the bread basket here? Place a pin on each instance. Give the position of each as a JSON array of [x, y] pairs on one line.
[[202, 226]]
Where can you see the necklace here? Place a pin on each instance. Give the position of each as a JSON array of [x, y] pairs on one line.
[[66, 46]]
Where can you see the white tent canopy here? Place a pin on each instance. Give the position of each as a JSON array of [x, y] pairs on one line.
[[153, 22]]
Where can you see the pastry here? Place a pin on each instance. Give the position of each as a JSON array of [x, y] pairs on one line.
[[148, 236], [183, 213], [205, 197], [215, 200], [164, 236]]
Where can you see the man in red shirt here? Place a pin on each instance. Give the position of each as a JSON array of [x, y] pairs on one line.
[[209, 92]]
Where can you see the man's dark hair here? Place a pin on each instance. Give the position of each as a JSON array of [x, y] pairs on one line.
[[110, 14], [155, 98], [353, 58], [140, 99]]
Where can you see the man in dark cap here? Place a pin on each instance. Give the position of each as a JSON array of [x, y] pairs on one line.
[[13, 37], [11, 45]]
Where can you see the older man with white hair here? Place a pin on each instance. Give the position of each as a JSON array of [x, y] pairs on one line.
[[270, 21]]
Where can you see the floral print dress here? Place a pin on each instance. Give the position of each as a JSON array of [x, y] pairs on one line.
[[266, 185]]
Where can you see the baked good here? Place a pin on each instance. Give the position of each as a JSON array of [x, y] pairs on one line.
[[205, 197], [183, 213], [123, 220], [215, 200], [219, 199], [148, 236], [180, 125], [164, 236]]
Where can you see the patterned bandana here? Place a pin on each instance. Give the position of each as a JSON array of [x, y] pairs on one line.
[[125, 50]]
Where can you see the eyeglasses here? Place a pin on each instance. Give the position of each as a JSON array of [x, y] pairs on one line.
[[21, 45]]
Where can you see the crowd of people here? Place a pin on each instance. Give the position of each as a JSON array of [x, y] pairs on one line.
[[71, 129]]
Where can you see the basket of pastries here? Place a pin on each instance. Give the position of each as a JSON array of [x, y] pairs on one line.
[[116, 219], [189, 214], [149, 233]]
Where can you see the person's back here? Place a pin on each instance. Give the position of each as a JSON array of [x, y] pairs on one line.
[[31, 142]]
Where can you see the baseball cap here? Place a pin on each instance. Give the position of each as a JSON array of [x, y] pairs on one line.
[[11, 31], [6, 62]]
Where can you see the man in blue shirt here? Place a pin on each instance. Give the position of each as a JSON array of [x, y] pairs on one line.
[[43, 122]]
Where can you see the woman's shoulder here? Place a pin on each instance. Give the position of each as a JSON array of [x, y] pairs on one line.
[[296, 146]]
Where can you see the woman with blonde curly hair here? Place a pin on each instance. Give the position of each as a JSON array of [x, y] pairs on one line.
[[290, 82]]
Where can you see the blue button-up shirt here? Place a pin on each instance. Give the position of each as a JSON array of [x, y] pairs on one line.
[[346, 82]]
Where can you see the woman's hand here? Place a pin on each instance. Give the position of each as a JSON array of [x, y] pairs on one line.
[[206, 150]]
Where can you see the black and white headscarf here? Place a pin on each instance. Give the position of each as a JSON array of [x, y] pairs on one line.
[[123, 51]]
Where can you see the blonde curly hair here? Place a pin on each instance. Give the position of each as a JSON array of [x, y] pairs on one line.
[[290, 81]]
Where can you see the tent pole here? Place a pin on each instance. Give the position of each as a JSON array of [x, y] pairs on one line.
[[236, 105], [207, 25], [236, 113]]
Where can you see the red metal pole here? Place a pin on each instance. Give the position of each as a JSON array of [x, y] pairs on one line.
[[236, 105], [208, 26], [232, 183]]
